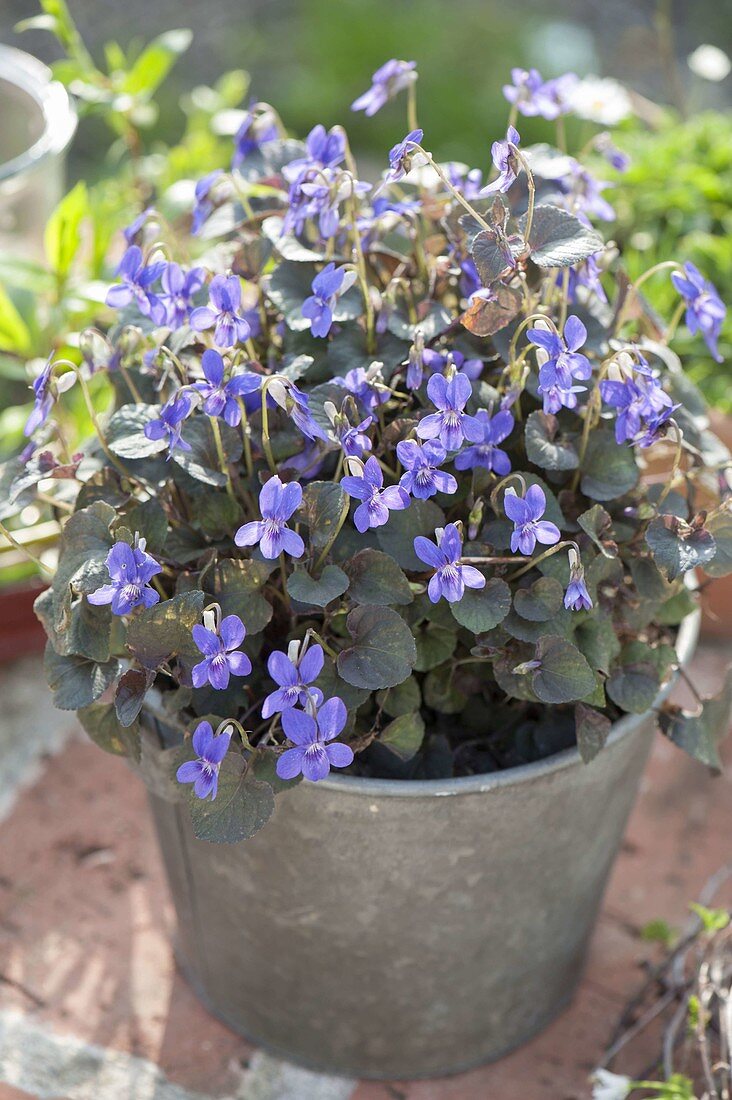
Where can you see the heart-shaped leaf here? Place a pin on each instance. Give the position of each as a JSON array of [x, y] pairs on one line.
[[130, 694], [242, 805], [559, 239], [596, 523], [383, 652], [404, 735], [75, 681], [545, 446], [592, 729], [608, 471], [481, 609], [700, 733], [563, 675], [678, 546], [105, 729], [377, 579], [720, 527], [159, 633], [541, 601], [321, 508], [125, 432], [331, 583]]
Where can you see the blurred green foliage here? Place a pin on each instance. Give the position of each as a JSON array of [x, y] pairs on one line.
[[676, 201]]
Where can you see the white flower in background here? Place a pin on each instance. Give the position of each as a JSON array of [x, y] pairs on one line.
[[610, 1086], [600, 99], [710, 63]]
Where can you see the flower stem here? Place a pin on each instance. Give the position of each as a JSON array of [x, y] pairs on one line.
[[664, 265], [412, 123], [361, 272], [24, 551], [336, 531], [453, 190], [266, 445], [331, 652], [535, 561], [222, 457], [532, 194]]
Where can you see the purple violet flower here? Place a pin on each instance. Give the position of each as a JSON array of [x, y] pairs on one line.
[[525, 91], [179, 288], [325, 149], [222, 313], [130, 570], [219, 397], [486, 453], [203, 206], [403, 157], [450, 578], [170, 421], [366, 385], [221, 656], [450, 424], [577, 598], [437, 362], [390, 79], [506, 161], [705, 310], [327, 286], [277, 502], [638, 398], [137, 278], [376, 500], [131, 231], [423, 478], [42, 399], [529, 528], [256, 129], [562, 365], [293, 672], [203, 773], [311, 735]]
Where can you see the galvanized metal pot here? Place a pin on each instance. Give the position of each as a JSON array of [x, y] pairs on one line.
[[37, 123], [377, 928]]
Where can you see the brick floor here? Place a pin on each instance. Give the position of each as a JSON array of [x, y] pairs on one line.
[[85, 920]]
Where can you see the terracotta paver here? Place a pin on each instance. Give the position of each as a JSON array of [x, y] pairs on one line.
[[85, 921]]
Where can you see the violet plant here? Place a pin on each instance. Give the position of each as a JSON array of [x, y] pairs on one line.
[[400, 478]]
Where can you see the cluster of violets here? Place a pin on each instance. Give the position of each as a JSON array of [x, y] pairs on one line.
[[453, 438]]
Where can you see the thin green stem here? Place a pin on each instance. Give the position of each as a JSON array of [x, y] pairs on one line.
[[361, 272], [331, 652], [412, 123], [266, 445], [24, 550], [532, 193], [221, 456], [341, 520], [535, 561], [453, 190], [664, 265]]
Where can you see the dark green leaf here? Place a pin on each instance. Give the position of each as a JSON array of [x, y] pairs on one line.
[[592, 729], [404, 735], [481, 609], [434, 645], [241, 807], [377, 579], [678, 546], [159, 633], [101, 723], [401, 699], [597, 640], [559, 239], [202, 461], [596, 523], [699, 734], [608, 471], [541, 601], [238, 585], [331, 583], [130, 694], [150, 521], [383, 652], [126, 432], [322, 505], [291, 283], [441, 692], [397, 537], [720, 527], [76, 681], [563, 675], [330, 683], [546, 446]]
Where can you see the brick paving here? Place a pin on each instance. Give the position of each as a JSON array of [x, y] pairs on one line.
[[89, 989]]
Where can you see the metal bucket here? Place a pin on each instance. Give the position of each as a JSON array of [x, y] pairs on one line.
[[387, 929], [37, 122]]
